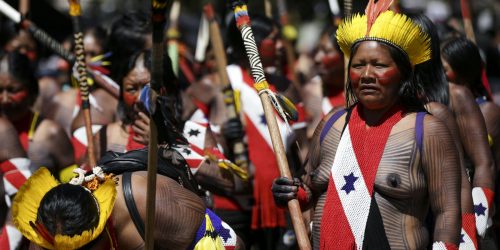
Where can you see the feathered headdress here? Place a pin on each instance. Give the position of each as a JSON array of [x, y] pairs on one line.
[[381, 24], [27, 202]]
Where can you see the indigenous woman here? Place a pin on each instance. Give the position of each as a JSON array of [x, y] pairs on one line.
[[377, 167], [463, 65], [431, 76], [44, 141]]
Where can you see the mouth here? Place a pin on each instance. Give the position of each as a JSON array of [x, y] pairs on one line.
[[368, 89]]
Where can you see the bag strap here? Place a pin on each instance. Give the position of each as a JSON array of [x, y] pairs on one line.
[[130, 202]]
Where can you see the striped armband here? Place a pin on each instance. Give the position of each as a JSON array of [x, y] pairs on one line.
[[15, 173], [439, 245], [482, 198]]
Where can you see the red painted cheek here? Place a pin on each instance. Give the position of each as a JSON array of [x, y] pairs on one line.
[[329, 61], [450, 75], [19, 97], [354, 76], [267, 49], [129, 99], [388, 76]]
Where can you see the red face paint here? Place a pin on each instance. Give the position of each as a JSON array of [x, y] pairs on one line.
[[267, 49], [450, 76], [330, 60], [129, 99], [19, 96], [388, 76]]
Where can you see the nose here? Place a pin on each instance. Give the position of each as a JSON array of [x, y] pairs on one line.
[[319, 56], [367, 75]]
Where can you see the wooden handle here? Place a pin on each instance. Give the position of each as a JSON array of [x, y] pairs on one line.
[[243, 23], [466, 15]]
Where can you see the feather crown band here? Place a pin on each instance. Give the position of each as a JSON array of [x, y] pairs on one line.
[[394, 29], [28, 199]]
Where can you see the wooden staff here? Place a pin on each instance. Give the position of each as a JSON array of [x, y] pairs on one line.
[[335, 9], [158, 8], [347, 14], [37, 33], [288, 44], [238, 146], [75, 12], [173, 35], [268, 8], [24, 7], [243, 23], [45, 39], [468, 28]]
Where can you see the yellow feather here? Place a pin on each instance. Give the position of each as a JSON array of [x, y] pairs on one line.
[[395, 28], [27, 201]]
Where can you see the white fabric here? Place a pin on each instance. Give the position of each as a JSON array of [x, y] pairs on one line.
[[81, 134], [482, 221], [467, 243], [15, 237], [251, 105], [326, 105], [356, 203]]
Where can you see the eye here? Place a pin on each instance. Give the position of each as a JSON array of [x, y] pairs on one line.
[[357, 65], [380, 65]]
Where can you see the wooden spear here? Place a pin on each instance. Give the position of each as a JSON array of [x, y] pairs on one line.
[[243, 23], [238, 146], [49, 42], [75, 12], [158, 8], [468, 28]]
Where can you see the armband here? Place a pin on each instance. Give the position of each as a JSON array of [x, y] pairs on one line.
[[482, 198], [439, 245]]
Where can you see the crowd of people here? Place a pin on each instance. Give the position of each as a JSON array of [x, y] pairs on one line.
[[395, 146]]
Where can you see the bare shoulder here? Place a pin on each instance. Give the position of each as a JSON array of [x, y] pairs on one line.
[[492, 110], [439, 110], [433, 126], [66, 98], [6, 127], [49, 129]]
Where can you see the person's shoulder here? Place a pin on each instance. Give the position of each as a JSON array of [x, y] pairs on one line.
[[67, 97], [6, 126], [459, 92], [433, 126], [491, 108], [49, 129]]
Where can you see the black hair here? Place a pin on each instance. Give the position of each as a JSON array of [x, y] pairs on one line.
[[169, 84], [463, 57], [9, 31], [127, 36], [430, 74], [408, 91], [21, 68], [262, 27], [68, 210]]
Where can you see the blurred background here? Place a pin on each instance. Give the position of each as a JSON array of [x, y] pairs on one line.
[[307, 16]]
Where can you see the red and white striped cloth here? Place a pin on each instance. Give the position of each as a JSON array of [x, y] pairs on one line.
[[10, 238], [468, 239], [265, 213], [439, 245]]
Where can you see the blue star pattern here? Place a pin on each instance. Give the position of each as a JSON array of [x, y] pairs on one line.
[[462, 238], [479, 209], [193, 132], [349, 183], [263, 119], [224, 233]]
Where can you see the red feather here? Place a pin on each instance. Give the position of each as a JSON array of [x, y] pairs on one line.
[[373, 10]]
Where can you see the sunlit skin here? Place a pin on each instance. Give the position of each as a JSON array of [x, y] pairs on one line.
[[375, 76], [134, 82], [15, 99]]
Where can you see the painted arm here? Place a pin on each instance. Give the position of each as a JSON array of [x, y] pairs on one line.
[[440, 162]]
